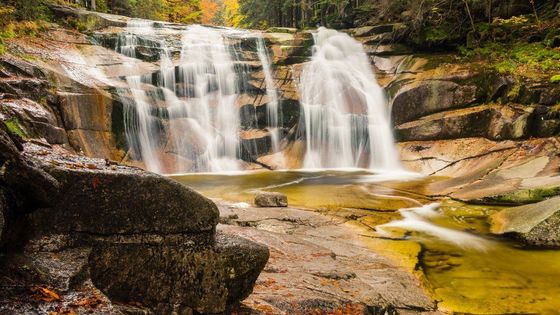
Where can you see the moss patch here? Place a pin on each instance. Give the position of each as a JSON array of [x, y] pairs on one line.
[[15, 127]]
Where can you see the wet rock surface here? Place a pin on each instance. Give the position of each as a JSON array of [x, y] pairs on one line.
[[172, 277], [320, 264], [477, 170], [115, 233]]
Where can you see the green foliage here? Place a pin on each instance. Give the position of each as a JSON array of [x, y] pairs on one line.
[[555, 79], [148, 9], [30, 9]]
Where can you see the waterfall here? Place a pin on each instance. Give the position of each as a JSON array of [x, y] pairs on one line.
[[140, 126], [274, 118], [345, 114], [207, 77], [186, 118]]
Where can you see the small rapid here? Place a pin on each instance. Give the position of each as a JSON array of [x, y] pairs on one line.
[[418, 219]]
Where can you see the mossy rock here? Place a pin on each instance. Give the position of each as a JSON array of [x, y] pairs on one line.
[[16, 127], [287, 30]]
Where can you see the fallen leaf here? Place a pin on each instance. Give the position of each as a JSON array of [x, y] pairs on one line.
[[95, 182], [45, 295]]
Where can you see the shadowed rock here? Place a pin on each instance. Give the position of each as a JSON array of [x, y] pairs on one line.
[[171, 278], [151, 239]]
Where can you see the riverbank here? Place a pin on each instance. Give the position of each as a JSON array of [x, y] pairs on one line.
[[321, 264]]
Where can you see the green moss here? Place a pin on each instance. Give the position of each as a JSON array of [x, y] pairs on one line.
[[555, 79], [88, 24], [517, 57], [15, 127], [528, 195], [515, 90]]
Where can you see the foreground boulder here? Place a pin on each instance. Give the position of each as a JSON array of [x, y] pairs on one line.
[[121, 200], [182, 277], [535, 224], [141, 239], [270, 199]]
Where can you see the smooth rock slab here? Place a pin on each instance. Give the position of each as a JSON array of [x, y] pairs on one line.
[[535, 224], [178, 278], [271, 200]]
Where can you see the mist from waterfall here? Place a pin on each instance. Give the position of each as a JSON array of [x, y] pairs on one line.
[[345, 113]]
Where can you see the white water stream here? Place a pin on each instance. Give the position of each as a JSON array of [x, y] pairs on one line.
[[347, 122]]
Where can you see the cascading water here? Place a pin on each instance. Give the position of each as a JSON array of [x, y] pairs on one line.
[[207, 77], [346, 120], [273, 111], [187, 119], [141, 126]]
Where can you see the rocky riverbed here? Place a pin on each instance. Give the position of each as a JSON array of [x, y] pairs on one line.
[[321, 264]]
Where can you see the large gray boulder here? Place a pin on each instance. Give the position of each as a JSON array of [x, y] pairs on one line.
[[430, 96], [495, 122], [535, 224], [179, 278], [152, 240], [126, 200]]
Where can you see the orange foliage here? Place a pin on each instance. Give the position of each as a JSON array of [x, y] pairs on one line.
[[209, 10]]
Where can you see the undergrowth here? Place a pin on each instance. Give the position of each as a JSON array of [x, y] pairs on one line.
[[516, 46], [11, 27]]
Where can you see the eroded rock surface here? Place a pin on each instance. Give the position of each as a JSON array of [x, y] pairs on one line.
[[321, 264], [535, 224], [116, 233]]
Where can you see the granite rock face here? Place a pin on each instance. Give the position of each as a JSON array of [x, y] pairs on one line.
[[175, 277], [124, 201]]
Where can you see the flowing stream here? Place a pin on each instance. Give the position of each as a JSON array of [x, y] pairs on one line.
[[447, 244]]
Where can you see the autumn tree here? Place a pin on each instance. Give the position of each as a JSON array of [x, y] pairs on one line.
[[210, 11]]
